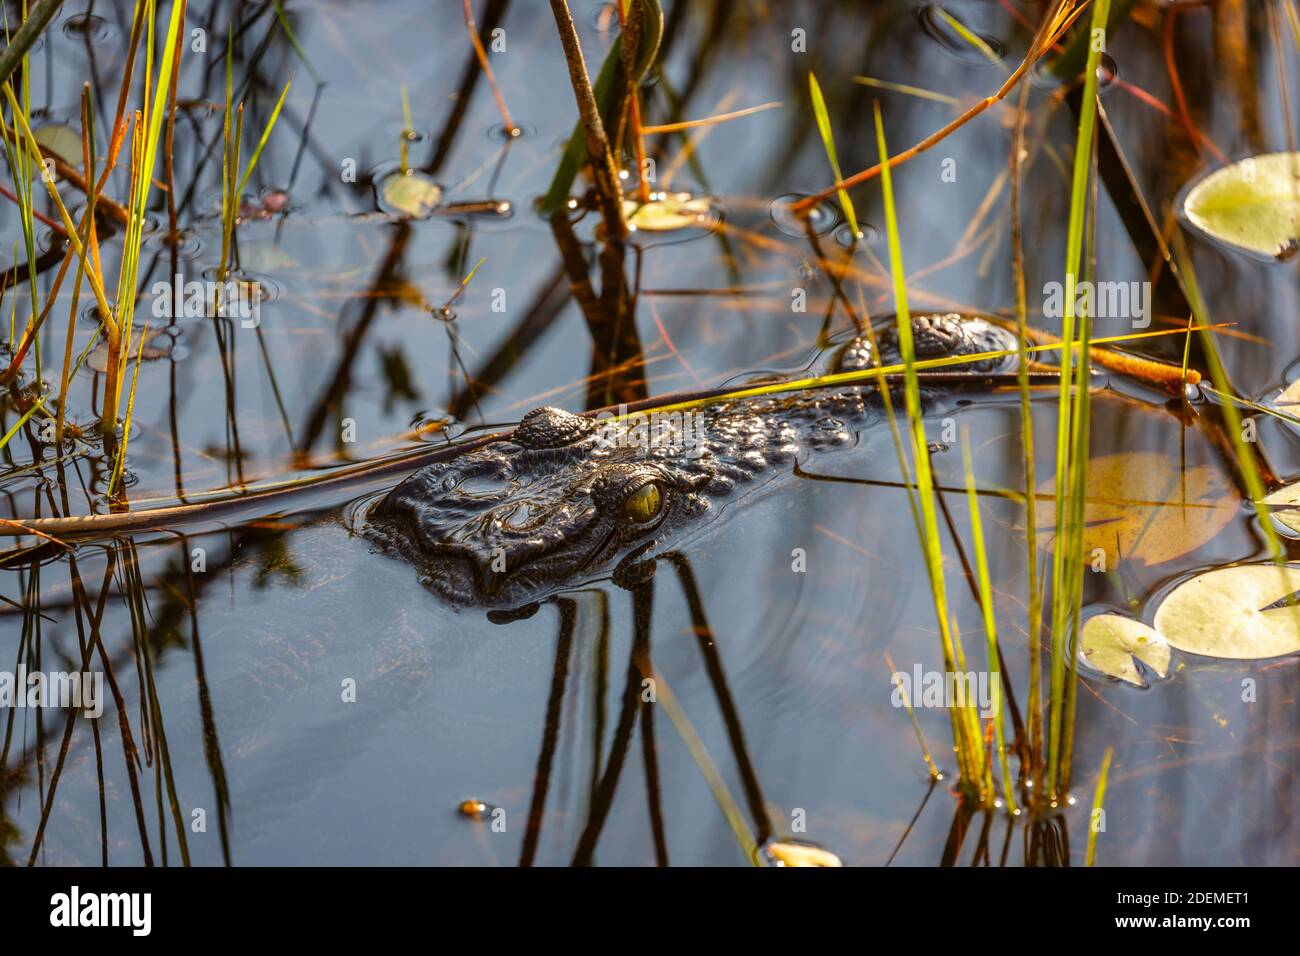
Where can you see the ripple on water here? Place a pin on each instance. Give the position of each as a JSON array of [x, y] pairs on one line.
[[88, 27], [821, 218], [937, 26]]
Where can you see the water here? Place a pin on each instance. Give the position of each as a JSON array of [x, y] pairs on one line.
[[319, 707]]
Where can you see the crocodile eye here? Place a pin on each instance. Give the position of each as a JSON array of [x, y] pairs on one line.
[[643, 505]]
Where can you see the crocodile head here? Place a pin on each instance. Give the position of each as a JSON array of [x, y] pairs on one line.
[[554, 501], [566, 498]]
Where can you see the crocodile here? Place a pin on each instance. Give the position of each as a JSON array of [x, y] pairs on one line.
[[566, 499]]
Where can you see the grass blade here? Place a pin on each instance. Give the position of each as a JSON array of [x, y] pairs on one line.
[[38, 18], [1097, 800], [828, 140]]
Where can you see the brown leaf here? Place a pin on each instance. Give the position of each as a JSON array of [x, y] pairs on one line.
[[1142, 507]]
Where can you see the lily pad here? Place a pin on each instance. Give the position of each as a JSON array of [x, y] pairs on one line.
[[1253, 204], [1289, 398], [1285, 505], [1142, 506], [1237, 612], [1110, 643], [413, 195], [158, 346], [668, 212], [63, 141], [791, 853], [266, 257]]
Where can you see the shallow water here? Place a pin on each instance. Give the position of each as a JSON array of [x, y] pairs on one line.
[[317, 706]]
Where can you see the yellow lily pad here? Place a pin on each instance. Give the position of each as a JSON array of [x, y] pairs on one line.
[[667, 212], [1284, 505], [790, 853], [411, 194], [1230, 613], [1110, 643], [157, 347], [1253, 204], [62, 141], [1289, 398]]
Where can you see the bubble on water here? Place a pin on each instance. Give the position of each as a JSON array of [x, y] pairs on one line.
[[821, 217], [1044, 75]]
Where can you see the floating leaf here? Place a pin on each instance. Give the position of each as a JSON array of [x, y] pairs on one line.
[[1142, 506], [413, 195], [1110, 643], [1285, 505], [1230, 612], [790, 853], [158, 346], [667, 212], [62, 141], [269, 257], [1253, 204], [1289, 399]]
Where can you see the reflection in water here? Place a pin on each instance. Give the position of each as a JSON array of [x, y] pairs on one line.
[[276, 693]]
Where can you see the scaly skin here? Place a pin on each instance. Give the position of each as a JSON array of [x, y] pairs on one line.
[[565, 499]]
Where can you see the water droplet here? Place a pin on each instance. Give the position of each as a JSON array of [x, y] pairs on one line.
[[1044, 75], [1107, 73]]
